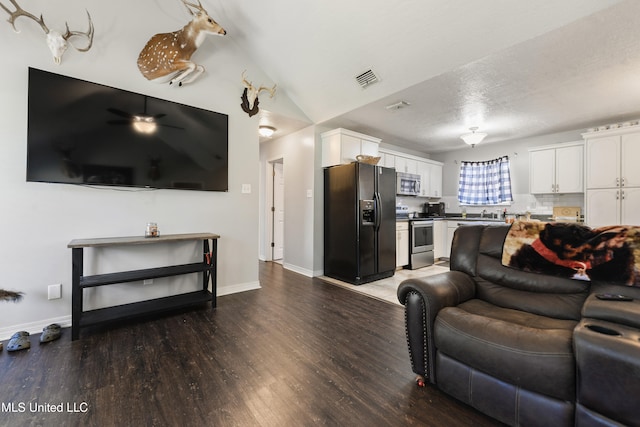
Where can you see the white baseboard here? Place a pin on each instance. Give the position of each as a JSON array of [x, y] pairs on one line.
[[299, 270], [240, 287], [34, 327]]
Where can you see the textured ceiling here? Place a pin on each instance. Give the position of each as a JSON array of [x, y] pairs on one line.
[[514, 68]]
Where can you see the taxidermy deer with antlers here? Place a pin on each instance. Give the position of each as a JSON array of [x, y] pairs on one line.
[[250, 94], [57, 41], [168, 55]]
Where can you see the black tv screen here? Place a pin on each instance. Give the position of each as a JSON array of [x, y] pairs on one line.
[[87, 133]]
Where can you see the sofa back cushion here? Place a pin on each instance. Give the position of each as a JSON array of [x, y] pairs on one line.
[[477, 251]]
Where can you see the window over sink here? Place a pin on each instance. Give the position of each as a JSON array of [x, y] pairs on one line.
[[485, 183]]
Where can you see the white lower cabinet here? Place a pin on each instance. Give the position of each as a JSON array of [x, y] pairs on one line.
[[402, 244], [451, 229], [608, 206], [440, 239]]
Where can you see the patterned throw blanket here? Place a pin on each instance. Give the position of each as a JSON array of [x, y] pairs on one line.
[[575, 251]]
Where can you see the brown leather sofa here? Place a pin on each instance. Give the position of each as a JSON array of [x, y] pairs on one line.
[[528, 349]]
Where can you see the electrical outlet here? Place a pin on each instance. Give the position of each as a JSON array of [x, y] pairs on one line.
[[147, 282], [246, 188], [54, 291]]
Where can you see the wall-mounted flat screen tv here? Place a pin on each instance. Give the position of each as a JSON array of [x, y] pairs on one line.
[[90, 134]]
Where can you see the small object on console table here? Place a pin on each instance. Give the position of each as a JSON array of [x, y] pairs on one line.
[[152, 230]]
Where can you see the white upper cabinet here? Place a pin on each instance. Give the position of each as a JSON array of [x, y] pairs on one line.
[[630, 152], [613, 177], [341, 146], [556, 169], [435, 181], [603, 162], [430, 171], [612, 161], [406, 165]]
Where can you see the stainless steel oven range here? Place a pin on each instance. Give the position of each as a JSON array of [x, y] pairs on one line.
[[420, 243]]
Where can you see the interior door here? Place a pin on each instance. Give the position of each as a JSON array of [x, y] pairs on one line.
[[278, 211]]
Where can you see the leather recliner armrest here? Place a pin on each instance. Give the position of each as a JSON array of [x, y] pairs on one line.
[[440, 290], [423, 298], [621, 312]]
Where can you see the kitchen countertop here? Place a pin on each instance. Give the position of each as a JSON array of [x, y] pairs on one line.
[[472, 218]]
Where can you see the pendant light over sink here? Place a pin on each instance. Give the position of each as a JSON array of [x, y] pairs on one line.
[[474, 137]]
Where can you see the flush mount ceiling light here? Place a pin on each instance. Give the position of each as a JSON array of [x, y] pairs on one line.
[[474, 137], [266, 131]]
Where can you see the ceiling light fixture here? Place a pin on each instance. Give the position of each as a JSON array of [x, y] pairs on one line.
[[266, 131], [474, 137]]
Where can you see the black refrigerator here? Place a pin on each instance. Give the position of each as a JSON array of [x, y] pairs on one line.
[[359, 222]]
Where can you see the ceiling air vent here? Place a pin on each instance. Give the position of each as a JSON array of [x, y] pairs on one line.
[[367, 78]]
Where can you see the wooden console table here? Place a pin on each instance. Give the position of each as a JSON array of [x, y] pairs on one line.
[[208, 268]]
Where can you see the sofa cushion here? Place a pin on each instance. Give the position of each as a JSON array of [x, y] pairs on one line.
[[524, 349]]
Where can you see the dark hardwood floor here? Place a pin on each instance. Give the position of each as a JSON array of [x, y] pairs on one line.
[[298, 352]]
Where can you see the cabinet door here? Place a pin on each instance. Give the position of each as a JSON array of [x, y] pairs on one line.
[[569, 172], [388, 160], [350, 148], [440, 239], [402, 248], [603, 207], [630, 206], [542, 171], [368, 148], [630, 151], [603, 162], [406, 165], [452, 226], [424, 172], [435, 181]]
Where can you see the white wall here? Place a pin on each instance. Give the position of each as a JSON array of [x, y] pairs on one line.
[[37, 220], [298, 153]]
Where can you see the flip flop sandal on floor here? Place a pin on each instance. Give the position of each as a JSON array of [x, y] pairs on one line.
[[19, 341], [51, 333]]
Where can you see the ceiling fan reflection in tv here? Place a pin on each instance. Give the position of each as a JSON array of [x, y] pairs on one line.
[[141, 122]]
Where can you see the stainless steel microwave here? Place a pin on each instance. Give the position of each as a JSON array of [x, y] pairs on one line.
[[407, 184]]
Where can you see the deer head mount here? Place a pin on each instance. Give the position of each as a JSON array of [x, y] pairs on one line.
[[57, 41], [250, 94], [168, 55]]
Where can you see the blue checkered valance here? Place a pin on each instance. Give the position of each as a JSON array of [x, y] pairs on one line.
[[485, 183]]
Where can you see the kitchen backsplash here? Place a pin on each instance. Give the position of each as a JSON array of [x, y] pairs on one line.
[[535, 204]]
